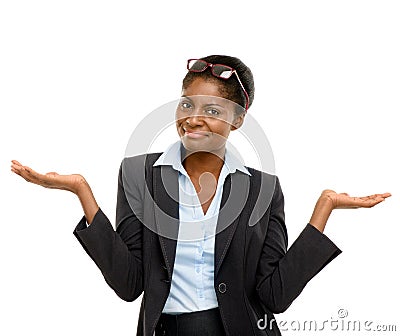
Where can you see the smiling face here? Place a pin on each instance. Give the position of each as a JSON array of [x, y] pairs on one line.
[[204, 118]]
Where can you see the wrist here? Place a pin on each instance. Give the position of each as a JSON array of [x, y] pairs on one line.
[[80, 186], [321, 213], [325, 203]]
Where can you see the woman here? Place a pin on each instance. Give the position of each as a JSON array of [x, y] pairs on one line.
[[202, 271]]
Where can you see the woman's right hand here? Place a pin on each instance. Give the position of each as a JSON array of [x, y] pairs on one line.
[[51, 180]]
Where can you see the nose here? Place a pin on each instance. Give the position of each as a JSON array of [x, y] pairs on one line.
[[194, 117], [194, 120]]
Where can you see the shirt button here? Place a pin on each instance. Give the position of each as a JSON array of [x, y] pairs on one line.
[[222, 287]]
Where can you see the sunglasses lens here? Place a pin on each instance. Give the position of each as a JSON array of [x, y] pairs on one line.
[[197, 65], [222, 71]]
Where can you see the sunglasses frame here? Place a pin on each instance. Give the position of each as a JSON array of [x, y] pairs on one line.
[[211, 65]]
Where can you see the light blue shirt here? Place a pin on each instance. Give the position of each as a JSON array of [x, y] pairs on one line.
[[192, 285]]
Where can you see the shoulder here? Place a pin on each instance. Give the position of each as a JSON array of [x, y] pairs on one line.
[[265, 185], [134, 169], [259, 176], [140, 162]]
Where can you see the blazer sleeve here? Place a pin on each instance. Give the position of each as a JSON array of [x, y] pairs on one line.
[[117, 253], [282, 274]]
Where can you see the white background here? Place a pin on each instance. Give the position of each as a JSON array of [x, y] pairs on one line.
[[76, 77]]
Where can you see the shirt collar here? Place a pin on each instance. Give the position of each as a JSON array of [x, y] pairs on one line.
[[173, 157]]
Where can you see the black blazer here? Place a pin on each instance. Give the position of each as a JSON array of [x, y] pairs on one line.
[[255, 275]]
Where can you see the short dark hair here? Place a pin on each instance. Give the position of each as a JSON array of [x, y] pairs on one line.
[[229, 87]]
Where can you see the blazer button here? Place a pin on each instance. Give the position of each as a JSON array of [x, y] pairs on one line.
[[222, 287]]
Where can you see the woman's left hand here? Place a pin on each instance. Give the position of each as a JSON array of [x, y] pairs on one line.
[[345, 201], [330, 200]]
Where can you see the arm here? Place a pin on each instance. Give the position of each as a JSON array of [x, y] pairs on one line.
[[118, 254], [330, 200], [74, 183], [282, 274], [88, 202]]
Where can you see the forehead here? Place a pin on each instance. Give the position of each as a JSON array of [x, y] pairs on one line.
[[207, 92], [203, 87]]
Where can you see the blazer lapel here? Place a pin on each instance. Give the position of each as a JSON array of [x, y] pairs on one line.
[[234, 197], [166, 205]]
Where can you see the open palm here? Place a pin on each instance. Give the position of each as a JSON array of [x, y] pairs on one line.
[[345, 201], [51, 180]]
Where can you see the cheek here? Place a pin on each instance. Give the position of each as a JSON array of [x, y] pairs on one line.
[[220, 127], [178, 126]]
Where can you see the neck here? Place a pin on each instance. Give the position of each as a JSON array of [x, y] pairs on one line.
[[197, 163]]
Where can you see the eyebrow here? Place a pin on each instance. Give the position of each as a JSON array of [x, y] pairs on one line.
[[214, 104], [206, 105]]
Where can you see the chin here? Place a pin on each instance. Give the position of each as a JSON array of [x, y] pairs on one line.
[[203, 145]]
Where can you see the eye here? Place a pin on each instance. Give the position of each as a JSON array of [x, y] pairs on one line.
[[185, 105], [212, 112]]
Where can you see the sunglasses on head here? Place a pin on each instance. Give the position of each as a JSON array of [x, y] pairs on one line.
[[217, 70]]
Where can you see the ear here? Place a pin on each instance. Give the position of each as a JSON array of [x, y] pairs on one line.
[[237, 122]]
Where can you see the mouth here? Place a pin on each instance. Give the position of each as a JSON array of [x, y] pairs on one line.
[[195, 134]]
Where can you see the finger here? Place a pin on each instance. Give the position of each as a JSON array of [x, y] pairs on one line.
[[366, 198], [44, 180], [369, 203], [31, 172], [16, 162], [16, 165], [376, 197], [24, 173], [15, 171], [384, 195], [375, 202], [30, 175], [358, 202]]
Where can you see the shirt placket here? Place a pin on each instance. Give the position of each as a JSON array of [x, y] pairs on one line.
[[198, 217]]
